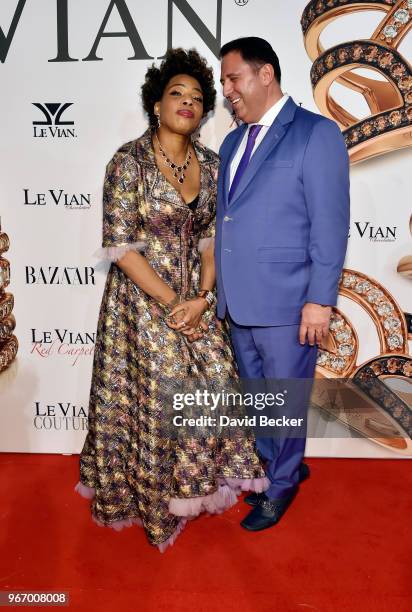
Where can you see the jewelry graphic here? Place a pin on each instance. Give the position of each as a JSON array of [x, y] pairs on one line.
[[8, 342], [389, 126], [361, 398]]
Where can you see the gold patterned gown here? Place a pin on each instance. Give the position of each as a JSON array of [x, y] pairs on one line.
[[133, 471]]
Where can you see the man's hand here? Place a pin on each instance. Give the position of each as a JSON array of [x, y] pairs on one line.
[[314, 324]]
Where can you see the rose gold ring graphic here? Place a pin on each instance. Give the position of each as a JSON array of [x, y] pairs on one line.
[[8, 342], [363, 397], [389, 126]]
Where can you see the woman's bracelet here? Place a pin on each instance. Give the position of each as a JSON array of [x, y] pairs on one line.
[[207, 295]]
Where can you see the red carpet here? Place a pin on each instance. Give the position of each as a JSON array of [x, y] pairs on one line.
[[344, 545]]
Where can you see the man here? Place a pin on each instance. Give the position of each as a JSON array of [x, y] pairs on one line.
[[281, 235]]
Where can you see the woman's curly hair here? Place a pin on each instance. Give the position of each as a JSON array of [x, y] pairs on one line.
[[177, 61]]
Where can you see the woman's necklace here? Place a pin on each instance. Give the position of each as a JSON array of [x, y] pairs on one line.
[[178, 171]]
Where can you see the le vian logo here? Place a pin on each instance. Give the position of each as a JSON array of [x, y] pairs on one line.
[[129, 30], [375, 233], [58, 197], [53, 123]]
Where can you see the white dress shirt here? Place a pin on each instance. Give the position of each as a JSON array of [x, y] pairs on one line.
[[266, 121]]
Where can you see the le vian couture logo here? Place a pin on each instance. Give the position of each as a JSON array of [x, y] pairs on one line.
[[60, 415]]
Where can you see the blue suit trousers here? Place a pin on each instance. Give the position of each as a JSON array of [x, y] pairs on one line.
[[275, 353]]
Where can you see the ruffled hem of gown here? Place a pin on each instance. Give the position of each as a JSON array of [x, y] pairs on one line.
[[84, 491], [257, 485], [172, 539], [215, 503], [221, 500]]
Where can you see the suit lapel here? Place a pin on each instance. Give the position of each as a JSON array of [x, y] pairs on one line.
[[270, 141], [228, 162]]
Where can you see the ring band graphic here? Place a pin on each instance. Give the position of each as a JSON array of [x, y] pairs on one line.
[[367, 404], [8, 342], [389, 126]]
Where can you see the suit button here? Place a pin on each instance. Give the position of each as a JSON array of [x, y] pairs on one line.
[[226, 218]]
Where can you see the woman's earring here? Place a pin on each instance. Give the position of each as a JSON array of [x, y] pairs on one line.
[[158, 121]]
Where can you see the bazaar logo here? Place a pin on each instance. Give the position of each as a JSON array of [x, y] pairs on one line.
[[53, 112], [374, 233], [72, 346], [129, 30], [60, 416], [58, 197], [58, 275]]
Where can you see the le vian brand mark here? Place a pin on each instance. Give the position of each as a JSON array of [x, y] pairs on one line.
[[62, 343], [58, 197], [57, 275], [60, 415], [54, 126], [130, 31], [374, 233]]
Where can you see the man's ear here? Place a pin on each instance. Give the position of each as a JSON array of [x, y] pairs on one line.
[[267, 74]]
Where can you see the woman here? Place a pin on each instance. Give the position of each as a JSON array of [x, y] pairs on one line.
[[157, 330]]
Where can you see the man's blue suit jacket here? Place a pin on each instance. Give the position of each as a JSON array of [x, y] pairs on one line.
[[282, 240]]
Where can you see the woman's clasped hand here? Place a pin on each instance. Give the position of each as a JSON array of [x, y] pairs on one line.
[[187, 318]]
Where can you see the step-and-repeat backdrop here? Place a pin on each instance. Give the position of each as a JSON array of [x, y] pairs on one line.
[[70, 76]]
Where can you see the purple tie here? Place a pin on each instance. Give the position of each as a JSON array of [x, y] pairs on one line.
[[253, 132]]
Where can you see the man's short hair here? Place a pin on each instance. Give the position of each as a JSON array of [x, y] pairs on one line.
[[254, 50]]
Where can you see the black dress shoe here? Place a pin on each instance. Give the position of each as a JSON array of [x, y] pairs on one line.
[[254, 498], [268, 512]]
